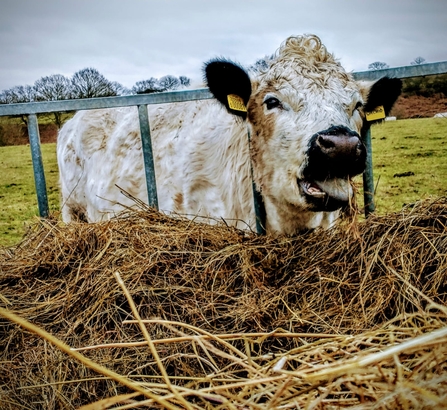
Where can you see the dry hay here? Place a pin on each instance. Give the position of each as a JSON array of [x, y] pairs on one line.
[[353, 317]]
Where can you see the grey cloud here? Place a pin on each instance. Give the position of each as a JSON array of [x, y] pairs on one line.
[[132, 40]]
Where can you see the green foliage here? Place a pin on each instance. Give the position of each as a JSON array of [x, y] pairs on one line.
[[425, 86], [408, 157]]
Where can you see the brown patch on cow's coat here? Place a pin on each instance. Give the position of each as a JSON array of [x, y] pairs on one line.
[[178, 201], [263, 129], [103, 144], [256, 115]]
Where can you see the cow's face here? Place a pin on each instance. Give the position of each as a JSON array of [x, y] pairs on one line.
[[305, 114]]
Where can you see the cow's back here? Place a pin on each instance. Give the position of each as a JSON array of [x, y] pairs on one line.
[[200, 153]]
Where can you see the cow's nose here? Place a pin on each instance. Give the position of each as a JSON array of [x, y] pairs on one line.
[[335, 152], [339, 146]]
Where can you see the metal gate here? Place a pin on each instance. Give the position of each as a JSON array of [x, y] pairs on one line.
[[141, 101]]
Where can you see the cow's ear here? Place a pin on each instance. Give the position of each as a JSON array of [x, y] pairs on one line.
[[230, 84], [382, 93]]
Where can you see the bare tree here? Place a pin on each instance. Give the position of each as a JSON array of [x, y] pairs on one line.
[[53, 87], [120, 89], [18, 94], [166, 83], [147, 86], [378, 65], [261, 64], [418, 60], [169, 82], [89, 83], [86, 83], [5, 97], [25, 93], [184, 81]]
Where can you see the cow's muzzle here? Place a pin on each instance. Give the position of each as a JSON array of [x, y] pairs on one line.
[[336, 152], [334, 156]]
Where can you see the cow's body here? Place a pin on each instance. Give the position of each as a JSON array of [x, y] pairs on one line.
[[190, 141], [304, 114]]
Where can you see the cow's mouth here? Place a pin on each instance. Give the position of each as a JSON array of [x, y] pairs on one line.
[[328, 195]]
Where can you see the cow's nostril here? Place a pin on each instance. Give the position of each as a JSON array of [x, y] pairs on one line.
[[338, 146], [325, 142]]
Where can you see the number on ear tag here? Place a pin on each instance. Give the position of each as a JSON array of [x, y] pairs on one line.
[[377, 114]]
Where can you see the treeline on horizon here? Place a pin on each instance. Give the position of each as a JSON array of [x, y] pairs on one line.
[[86, 83], [90, 83]]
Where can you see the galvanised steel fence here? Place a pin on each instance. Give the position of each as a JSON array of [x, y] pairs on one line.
[[141, 101], [372, 75]]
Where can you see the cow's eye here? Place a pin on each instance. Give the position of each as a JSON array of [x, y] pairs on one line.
[[357, 106], [272, 102]]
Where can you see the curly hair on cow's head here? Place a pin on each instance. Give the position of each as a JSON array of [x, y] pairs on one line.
[[302, 59], [307, 46]]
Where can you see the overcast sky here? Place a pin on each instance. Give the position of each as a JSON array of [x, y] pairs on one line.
[[132, 40]]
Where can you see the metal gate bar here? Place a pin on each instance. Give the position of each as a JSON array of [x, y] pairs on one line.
[[33, 108], [368, 177], [39, 175], [148, 156]]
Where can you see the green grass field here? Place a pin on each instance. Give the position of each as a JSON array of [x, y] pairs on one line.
[[18, 201], [409, 159]]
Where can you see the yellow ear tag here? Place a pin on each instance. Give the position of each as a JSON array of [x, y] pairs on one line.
[[236, 103], [377, 114]]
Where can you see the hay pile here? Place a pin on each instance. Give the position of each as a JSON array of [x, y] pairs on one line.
[[169, 313]]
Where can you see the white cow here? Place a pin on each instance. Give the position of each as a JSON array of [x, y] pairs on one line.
[[304, 114]]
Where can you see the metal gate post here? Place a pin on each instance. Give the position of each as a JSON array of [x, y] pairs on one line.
[[368, 177], [39, 175], [148, 156]]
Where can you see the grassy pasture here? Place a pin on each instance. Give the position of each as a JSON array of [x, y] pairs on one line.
[[409, 164], [18, 201], [409, 159]]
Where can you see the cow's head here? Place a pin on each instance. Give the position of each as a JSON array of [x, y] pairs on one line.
[[306, 115]]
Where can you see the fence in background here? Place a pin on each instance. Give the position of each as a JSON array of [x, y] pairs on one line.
[[372, 75], [141, 101]]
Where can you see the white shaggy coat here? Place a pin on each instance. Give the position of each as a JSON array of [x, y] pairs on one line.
[[201, 152], [201, 162]]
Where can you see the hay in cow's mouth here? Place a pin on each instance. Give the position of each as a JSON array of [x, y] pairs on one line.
[[327, 195]]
